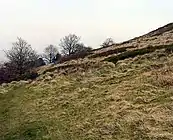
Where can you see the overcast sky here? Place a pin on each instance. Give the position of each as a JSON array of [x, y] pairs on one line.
[[43, 22]]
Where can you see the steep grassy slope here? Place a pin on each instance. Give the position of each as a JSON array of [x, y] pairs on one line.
[[132, 100]]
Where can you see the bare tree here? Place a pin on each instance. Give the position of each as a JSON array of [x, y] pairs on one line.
[[22, 56], [50, 53], [69, 44], [108, 42]]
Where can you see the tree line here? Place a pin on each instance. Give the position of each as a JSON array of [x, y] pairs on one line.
[[22, 58]]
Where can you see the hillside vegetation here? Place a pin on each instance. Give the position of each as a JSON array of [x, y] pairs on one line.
[[93, 100], [122, 92]]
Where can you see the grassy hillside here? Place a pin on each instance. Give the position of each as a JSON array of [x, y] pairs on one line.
[[129, 100]]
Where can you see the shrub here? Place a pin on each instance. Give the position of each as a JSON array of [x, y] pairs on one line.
[[76, 56], [8, 73], [29, 75]]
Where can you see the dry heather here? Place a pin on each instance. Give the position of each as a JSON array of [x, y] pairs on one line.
[[132, 100]]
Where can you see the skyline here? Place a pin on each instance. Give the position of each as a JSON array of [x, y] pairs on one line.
[[42, 22]]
